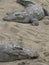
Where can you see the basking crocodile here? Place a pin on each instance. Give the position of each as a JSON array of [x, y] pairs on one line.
[[12, 52], [32, 13]]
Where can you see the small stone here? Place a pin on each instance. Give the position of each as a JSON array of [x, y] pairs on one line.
[[46, 22], [46, 54], [22, 63]]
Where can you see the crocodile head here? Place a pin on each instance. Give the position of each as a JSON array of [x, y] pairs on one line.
[[15, 16]]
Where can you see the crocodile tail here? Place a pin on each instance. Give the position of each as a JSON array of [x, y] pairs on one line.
[[25, 3]]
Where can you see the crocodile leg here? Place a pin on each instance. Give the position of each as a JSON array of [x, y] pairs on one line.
[[34, 22], [46, 12]]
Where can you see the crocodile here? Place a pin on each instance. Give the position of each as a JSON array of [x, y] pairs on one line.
[[31, 13], [12, 52]]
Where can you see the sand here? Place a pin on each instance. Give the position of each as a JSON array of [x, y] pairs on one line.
[[26, 35]]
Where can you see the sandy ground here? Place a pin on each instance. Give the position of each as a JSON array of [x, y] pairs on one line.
[[26, 35]]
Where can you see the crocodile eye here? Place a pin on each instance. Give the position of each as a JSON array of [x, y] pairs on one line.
[[17, 14], [21, 16]]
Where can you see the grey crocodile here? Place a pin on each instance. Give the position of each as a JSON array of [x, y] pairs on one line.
[[12, 52], [31, 13]]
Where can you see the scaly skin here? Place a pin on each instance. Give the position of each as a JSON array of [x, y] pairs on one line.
[[12, 52], [32, 13]]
